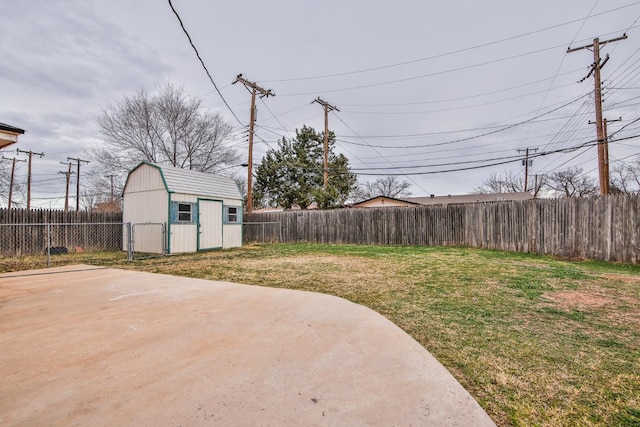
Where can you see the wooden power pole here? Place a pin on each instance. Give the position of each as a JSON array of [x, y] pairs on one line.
[[254, 88], [67, 174], [597, 65], [13, 174], [605, 150], [30, 154], [327, 107], [112, 192], [77, 163], [525, 162]]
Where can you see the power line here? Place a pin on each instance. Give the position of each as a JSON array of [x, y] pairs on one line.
[[464, 107], [563, 150], [502, 129], [441, 55], [462, 98], [436, 73], [389, 161], [202, 62]]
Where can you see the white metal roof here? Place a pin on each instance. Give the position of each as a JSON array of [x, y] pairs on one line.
[[197, 183]]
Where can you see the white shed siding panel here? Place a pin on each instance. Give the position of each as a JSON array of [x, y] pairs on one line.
[[231, 235], [148, 206], [183, 238], [188, 198], [144, 178]]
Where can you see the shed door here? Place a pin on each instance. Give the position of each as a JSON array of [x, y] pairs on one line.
[[209, 224]]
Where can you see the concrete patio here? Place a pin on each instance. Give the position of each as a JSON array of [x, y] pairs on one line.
[[84, 345]]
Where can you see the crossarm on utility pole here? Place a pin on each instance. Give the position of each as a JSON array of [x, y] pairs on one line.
[[78, 162], [30, 154], [327, 107], [603, 153], [254, 89]]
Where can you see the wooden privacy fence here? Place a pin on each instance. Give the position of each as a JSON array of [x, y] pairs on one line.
[[603, 228], [43, 216]]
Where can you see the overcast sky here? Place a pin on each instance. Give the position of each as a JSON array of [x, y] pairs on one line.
[[422, 87]]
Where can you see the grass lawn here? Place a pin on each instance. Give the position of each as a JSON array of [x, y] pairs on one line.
[[536, 340]]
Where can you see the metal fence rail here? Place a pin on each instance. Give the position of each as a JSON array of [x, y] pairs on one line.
[[147, 240]]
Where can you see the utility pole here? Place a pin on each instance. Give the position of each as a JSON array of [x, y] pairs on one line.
[[30, 154], [597, 65], [112, 194], [526, 162], [605, 151], [77, 163], [13, 174], [254, 88], [327, 107], [68, 174]]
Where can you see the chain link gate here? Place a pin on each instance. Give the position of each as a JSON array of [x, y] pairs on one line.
[[147, 240]]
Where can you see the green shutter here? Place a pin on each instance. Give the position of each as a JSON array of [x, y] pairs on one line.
[[174, 212]]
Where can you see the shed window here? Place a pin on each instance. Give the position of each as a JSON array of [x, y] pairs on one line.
[[182, 212], [232, 215]]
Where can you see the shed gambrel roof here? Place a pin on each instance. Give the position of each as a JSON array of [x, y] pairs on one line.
[[196, 183]]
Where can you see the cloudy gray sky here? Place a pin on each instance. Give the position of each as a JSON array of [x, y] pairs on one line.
[[434, 91]]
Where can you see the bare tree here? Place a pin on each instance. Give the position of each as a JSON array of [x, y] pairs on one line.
[[5, 182], [241, 182], [168, 127], [572, 182], [510, 182], [625, 178], [388, 186]]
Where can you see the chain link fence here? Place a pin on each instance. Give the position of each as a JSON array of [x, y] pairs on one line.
[[29, 246], [147, 240]]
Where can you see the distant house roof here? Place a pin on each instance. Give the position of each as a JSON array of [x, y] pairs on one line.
[[469, 198], [9, 134], [383, 201], [192, 182]]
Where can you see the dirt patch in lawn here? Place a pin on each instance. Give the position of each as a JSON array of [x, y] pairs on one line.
[[577, 299], [624, 278]]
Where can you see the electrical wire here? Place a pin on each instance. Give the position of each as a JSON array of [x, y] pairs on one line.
[[442, 55], [563, 150], [175, 12], [422, 76]]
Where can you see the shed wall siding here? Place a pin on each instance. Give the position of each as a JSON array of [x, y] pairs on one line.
[[149, 206], [184, 238], [145, 178], [231, 235]]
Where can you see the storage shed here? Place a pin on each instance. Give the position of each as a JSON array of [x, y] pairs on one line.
[[199, 211]]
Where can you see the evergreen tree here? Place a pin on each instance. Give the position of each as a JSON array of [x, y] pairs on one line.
[[292, 175]]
